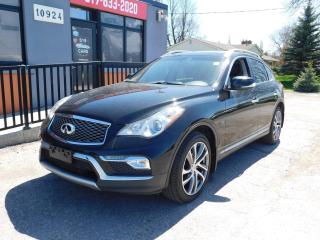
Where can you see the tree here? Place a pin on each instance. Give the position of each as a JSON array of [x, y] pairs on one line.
[[295, 4], [308, 81], [281, 40], [182, 23], [304, 46]]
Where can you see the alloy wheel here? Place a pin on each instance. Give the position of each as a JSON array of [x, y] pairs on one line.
[[277, 125], [195, 168]]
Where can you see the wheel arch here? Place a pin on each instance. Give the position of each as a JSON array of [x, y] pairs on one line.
[[208, 130], [211, 136]]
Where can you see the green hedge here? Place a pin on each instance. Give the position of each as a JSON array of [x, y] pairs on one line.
[[287, 80]]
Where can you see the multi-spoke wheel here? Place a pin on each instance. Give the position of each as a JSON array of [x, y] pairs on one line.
[[190, 169], [275, 129], [195, 168], [277, 125]]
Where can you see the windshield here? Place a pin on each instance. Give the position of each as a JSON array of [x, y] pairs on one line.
[[182, 70]]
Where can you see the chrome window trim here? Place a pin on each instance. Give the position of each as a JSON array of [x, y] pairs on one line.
[[230, 65], [82, 119]]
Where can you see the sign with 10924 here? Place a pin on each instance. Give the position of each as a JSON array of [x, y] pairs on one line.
[[48, 14]]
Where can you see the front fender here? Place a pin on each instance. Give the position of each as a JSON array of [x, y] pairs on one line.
[[193, 127]]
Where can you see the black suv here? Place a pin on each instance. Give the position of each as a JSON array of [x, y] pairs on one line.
[[165, 128]]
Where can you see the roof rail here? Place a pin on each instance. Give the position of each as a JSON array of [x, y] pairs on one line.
[[175, 52], [244, 51]]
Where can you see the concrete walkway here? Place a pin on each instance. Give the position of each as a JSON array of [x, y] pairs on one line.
[[260, 192]]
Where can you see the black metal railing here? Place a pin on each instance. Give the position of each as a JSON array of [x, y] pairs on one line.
[[27, 92]]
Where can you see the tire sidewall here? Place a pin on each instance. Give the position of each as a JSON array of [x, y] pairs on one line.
[[180, 160], [278, 109]]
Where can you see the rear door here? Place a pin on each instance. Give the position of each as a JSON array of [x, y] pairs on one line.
[[266, 93]]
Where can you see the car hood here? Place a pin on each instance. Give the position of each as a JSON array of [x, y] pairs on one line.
[[125, 102]]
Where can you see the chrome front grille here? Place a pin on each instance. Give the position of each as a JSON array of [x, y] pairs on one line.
[[86, 131]]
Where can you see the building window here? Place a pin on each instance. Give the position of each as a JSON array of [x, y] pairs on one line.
[[121, 38], [134, 40], [10, 2], [112, 19], [79, 13], [10, 33], [83, 41], [84, 31], [112, 37], [134, 46], [112, 44], [134, 23]]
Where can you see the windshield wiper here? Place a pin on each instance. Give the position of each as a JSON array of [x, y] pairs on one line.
[[130, 81], [168, 83]]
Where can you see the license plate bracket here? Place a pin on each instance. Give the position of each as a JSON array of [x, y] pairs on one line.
[[60, 154]]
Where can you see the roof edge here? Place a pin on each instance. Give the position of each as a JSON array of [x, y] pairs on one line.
[[156, 4], [196, 39]]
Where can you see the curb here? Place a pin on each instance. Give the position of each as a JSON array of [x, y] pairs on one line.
[[19, 136]]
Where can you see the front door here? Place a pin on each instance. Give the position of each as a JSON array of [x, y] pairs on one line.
[[84, 44], [241, 118]]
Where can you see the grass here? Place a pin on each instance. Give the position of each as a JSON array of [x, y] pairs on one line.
[[287, 80]]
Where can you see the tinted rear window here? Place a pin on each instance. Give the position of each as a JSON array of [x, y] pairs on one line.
[[258, 70]]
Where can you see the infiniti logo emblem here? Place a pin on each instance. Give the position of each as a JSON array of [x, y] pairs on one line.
[[68, 128]]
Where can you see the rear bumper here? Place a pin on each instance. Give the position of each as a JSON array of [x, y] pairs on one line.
[[147, 184]]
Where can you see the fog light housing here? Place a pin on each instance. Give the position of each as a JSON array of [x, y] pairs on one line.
[[136, 162], [141, 164]]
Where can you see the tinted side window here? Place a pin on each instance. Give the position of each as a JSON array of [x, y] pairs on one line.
[[270, 74], [258, 70]]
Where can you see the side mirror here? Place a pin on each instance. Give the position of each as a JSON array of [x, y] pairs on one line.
[[129, 76], [242, 82]]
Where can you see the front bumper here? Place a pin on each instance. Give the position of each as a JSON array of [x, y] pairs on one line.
[[94, 175]]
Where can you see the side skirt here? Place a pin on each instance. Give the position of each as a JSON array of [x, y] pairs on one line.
[[226, 151]]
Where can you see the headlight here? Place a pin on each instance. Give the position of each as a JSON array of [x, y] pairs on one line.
[[57, 105], [153, 125]]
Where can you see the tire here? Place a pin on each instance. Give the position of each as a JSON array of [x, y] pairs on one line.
[[275, 128], [193, 175]]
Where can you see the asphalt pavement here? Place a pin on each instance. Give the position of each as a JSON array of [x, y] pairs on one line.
[[259, 192]]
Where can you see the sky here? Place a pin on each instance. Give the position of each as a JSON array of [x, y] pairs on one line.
[[257, 26]]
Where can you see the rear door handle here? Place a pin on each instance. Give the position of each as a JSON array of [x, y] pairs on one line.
[[254, 99]]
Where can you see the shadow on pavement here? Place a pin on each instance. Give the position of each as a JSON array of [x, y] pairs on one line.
[[51, 208]]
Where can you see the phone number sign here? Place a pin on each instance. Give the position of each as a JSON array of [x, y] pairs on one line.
[[130, 8]]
